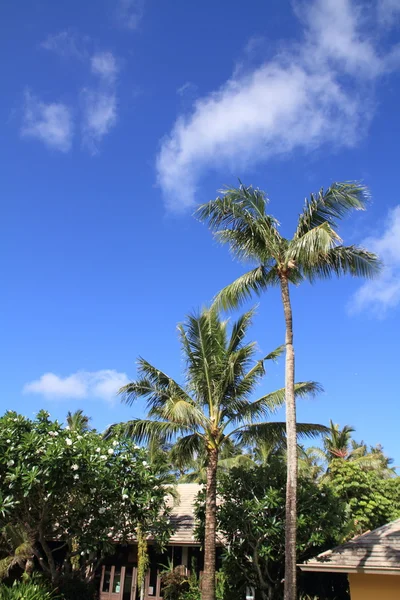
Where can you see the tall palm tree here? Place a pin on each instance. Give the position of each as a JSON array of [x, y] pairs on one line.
[[78, 421], [212, 408], [315, 251]]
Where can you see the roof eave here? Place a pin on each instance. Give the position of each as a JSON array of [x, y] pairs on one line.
[[346, 569]]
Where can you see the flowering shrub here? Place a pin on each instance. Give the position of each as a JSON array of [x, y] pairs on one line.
[[75, 492]]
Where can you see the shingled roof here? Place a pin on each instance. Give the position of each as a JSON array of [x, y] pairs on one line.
[[182, 517], [376, 551]]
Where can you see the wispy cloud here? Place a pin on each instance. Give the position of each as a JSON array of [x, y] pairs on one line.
[[51, 123], [100, 101], [388, 10], [310, 94], [102, 384], [105, 65], [67, 44], [130, 13], [383, 293]]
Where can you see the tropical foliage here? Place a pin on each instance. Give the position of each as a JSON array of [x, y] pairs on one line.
[[251, 522], [70, 494]]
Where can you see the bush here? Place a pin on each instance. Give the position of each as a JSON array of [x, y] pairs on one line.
[[76, 589], [29, 590]]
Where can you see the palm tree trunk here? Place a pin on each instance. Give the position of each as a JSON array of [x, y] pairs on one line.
[[291, 435], [208, 580]]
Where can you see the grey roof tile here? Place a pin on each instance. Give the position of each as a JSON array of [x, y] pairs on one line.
[[377, 550]]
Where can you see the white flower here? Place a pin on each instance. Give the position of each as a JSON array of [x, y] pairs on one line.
[[78, 437], [56, 525], [8, 441], [98, 450], [10, 463], [115, 443], [93, 490], [102, 510], [76, 476], [103, 456], [125, 496], [109, 534], [55, 433], [68, 441], [74, 467], [110, 451], [82, 553], [144, 463]]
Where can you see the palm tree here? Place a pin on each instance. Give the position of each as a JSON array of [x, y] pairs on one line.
[[212, 408], [77, 421], [337, 441], [315, 251], [339, 445]]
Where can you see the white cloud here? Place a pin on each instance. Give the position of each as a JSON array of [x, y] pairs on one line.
[[104, 64], [100, 101], [83, 384], [66, 44], [130, 13], [382, 293], [99, 116], [51, 123], [311, 94]]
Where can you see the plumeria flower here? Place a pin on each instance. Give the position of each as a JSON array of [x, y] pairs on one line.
[[68, 441], [78, 437], [110, 451], [10, 463], [144, 463], [76, 476], [102, 510], [74, 467], [103, 456], [98, 449], [8, 441], [125, 496], [115, 443]]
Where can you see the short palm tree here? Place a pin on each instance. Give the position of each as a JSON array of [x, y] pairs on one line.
[[77, 421], [315, 251], [213, 407], [339, 445], [337, 441]]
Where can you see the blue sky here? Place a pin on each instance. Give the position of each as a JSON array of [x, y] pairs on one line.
[[117, 117]]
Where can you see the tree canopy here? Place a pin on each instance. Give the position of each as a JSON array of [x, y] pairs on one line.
[[73, 492]]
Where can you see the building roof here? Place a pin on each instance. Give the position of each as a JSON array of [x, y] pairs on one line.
[[182, 517], [376, 551]]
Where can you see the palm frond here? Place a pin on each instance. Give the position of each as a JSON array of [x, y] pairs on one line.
[[330, 205], [254, 282], [315, 243], [343, 260], [249, 411], [185, 449], [275, 432], [180, 412], [144, 430], [239, 330]]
